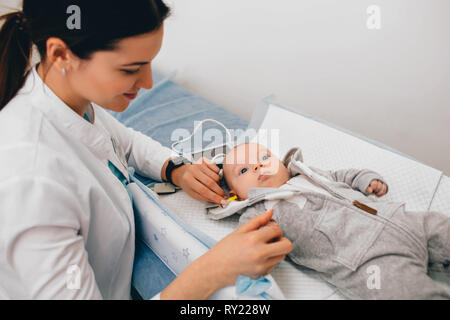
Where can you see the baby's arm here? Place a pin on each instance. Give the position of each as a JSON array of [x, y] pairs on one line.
[[357, 179]]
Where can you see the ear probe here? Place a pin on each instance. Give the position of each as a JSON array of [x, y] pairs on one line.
[[225, 203]]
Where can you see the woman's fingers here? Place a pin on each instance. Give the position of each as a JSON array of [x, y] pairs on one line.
[[197, 196], [268, 265], [205, 193], [282, 246], [261, 247], [211, 165], [210, 180], [200, 186], [210, 173], [209, 168], [208, 164], [273, 261], [256, 222], [203, 172], [277, 253], [209, 184], [270, 233]]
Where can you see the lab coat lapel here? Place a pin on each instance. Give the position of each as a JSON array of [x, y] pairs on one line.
[[62, 116], [79, 132]]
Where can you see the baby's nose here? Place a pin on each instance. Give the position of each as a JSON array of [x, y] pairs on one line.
[[257, 166]]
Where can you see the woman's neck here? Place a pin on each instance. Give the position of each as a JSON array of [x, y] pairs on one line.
[[60, 86]]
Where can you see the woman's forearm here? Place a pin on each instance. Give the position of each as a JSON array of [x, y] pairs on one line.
[[197, 282]]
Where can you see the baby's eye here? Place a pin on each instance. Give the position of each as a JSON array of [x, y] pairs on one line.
[[243, 170], [266, 157]]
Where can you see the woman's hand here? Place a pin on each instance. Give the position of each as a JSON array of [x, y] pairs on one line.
[[253, 250], [200, 180]]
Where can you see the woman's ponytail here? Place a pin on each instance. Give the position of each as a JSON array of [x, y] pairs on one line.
[[15, 55]]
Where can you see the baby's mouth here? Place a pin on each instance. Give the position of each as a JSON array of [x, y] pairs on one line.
[[263, 177]]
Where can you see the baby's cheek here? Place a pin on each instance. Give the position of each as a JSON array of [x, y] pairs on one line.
[[282, 175], [273, 168], [244, 184], [242, 190]]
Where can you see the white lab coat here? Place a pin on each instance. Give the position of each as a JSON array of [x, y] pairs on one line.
[[66, 222]]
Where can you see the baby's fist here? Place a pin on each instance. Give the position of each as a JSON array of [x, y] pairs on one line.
[[377, 187]]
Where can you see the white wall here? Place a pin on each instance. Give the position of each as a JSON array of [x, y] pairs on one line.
[[318, 56]]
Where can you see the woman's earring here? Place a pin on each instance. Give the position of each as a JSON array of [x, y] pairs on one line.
[[64, 72]]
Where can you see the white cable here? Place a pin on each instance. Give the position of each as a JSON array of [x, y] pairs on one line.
[[218, 155]]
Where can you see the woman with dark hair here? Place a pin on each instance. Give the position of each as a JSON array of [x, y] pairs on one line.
[[64, 205]]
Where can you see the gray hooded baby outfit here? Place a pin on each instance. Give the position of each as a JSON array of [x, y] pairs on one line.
[[368, 249]]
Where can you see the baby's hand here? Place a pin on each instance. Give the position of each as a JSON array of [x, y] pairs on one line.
[[377, 187]]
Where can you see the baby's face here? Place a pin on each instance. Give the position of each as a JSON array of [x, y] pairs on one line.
[[251, 165]]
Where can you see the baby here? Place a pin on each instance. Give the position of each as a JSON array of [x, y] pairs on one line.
[[368, 249]]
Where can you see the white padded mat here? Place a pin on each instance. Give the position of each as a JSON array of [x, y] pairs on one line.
[[326, 148], [330, 149], [441, 200]]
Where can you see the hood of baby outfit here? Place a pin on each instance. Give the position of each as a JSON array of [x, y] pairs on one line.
[[293, 154]]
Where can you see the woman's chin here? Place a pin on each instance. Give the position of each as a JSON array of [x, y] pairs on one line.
[[117, 106]]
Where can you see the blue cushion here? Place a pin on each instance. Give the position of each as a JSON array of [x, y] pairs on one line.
[[150, 274]]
